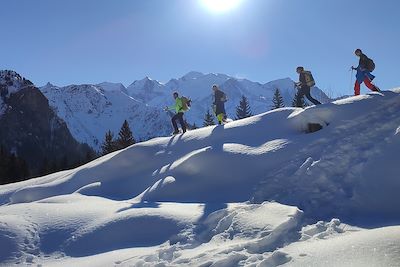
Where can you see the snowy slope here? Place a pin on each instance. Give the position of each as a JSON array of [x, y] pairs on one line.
[[249, 193], [91, 110], [198, 86]]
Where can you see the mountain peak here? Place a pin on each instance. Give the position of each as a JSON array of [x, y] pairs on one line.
[[112, 87], [193, 75]]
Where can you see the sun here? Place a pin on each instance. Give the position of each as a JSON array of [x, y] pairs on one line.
[[220, 6]]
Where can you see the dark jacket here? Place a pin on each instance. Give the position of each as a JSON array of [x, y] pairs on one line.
[[363, 63], [219, 102], [362, 71], [302, 80]]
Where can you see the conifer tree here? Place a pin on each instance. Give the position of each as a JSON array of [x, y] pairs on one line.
[[108, 145], [298, 102], [277, 100], [208, 119], [243, 110], [125, 137]]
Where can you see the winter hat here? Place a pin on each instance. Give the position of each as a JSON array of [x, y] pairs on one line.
[[358, 50]]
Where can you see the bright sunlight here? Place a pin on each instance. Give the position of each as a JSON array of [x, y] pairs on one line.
[[220, 6]]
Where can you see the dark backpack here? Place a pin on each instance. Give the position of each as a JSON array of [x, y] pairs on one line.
[[370, 65]]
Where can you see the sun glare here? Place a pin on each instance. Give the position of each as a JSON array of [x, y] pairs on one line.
[[220, 6]]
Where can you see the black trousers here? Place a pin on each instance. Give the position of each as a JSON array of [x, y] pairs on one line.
[[178, 117], [305, 91]]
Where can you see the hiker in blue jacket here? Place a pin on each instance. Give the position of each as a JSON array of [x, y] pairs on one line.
[[364, 69]]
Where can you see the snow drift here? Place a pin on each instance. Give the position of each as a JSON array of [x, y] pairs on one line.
[[237, 194]]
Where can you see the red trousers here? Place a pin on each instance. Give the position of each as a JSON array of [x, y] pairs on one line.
[[367, 83]]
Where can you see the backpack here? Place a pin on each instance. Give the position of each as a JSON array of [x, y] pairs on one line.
[[309, 78], [186, 103], [224, 98], [370, 65]]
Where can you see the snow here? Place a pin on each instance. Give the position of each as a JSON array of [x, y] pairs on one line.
[[13, 82], [91, 110], [197, 86], [255, 192]]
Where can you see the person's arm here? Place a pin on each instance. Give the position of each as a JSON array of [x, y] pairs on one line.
[[170, 107], [178, 104], [362, 64], [302, 80]]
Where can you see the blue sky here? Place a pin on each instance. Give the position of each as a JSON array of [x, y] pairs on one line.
[[90, 41]]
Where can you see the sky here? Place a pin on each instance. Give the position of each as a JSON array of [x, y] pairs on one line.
[[73, 41]]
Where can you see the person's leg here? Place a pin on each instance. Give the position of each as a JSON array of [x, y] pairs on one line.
[[357, 88], [181, 121], [220, 118], [370, 85], [312, 99], [174, 124], [300, 94]]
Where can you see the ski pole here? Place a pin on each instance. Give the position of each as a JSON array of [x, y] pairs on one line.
[[351, 78]]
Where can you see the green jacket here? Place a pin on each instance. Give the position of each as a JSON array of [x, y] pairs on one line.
[[178, 105]]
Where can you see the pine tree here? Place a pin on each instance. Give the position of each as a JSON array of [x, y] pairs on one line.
[[108, 145], [277, 100], [208, 119], [298, 102], [125, 137], [243, 110]]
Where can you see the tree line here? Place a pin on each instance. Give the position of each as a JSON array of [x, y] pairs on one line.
[[243, 109], [14, 169]]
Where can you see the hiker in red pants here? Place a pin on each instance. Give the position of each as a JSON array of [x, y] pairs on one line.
[[364, 69]]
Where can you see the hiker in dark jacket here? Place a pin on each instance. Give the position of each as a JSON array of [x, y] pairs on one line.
[[363, 73], [219, 104], [304, 89], [179, 111]]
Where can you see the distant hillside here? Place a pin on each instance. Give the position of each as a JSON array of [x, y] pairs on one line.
[[31, 131]]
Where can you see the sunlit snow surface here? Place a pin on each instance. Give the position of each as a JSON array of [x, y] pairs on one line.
[[255, 192]]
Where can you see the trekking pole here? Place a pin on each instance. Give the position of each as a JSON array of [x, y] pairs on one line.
[[351, 79]]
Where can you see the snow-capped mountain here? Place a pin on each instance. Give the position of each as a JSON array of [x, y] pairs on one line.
[[91, 110], [31, 130], [197, 86], [262, 191]]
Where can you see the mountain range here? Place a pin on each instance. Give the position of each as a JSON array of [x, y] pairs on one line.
[[91, 110]]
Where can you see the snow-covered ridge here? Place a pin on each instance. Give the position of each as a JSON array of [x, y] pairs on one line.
[[249, 193], [197, 86]]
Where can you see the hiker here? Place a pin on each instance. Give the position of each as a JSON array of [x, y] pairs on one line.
[[306, 81], [364, 69], [219, 104], [179, 111]]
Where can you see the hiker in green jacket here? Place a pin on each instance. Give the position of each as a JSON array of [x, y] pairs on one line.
[[179, 111]]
